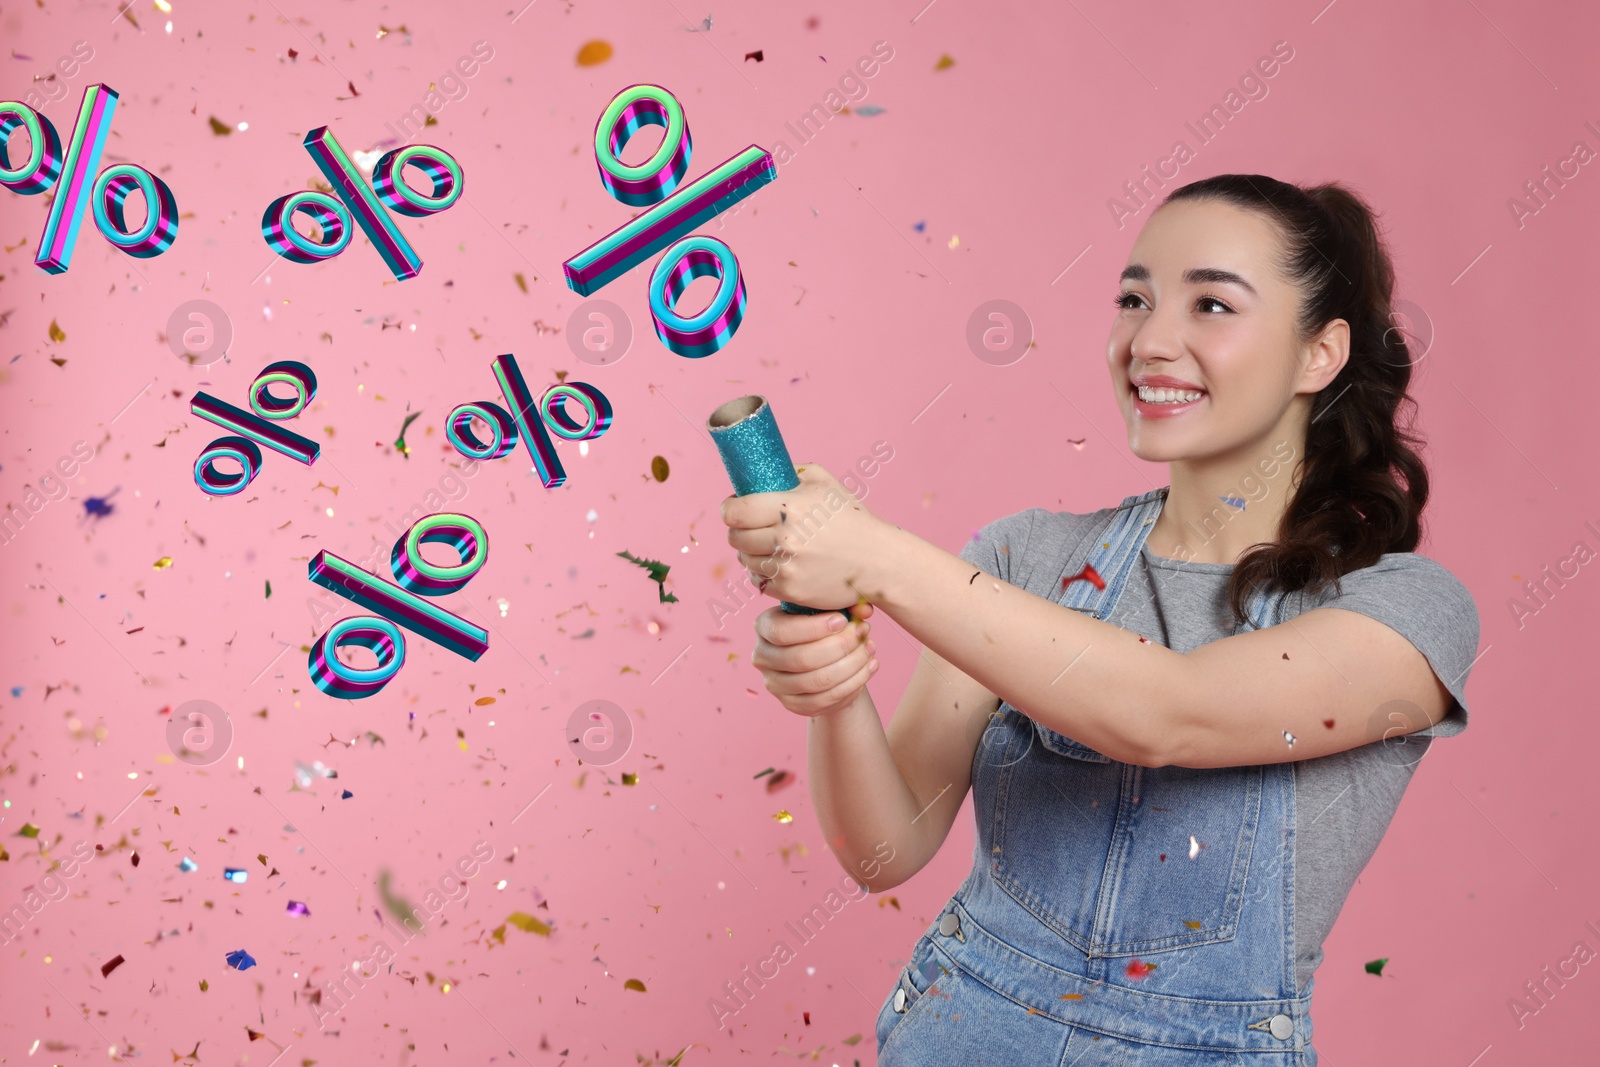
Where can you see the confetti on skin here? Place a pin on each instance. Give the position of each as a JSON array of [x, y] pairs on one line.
[[523, 921], [945, 63], [240, 960], [163, 563], [400, 442], [867, 111], [756, 55], [297, 908], [783, 816], [220, 128], [634, 983], [659, 469], [658, 574], [1376, 966], [1328, 723], [1087, 574], [594, 53], [1287, 736], [110, 965]]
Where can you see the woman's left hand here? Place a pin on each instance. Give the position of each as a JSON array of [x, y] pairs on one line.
[[815, 545]]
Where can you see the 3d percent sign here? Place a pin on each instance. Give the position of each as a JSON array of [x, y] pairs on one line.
[[80, 188], [674, 215], [533, 420], [255, 429], [366, 206], [398, 602]]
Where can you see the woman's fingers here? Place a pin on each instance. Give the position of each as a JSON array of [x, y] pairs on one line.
[[817, 703], [810, 655]]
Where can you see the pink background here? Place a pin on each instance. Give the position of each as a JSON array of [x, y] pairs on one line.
[[1438, 113]]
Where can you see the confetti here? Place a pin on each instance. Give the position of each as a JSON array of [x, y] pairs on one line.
[[297, 908], [269, 590], [163, 563], [97, 506], [1070, 996], [658, 574], [783, 816], [1088, 574], [240, 960], [186, 865], [779, 780], [522, 283], [236, 874], [659, 469], [56, 333], [400, 442], [218, 127], [769, 770], [634, 983], [945, 63], [756, 55], [28, 830], [1376, 966], [867, 111], [594, 53], [523, 921], [920, 226], [1137, 968], [1233, 501], [110, 965], [1287, 736], [1077, 442]]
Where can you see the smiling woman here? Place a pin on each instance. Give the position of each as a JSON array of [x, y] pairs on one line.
[[1181, 749]]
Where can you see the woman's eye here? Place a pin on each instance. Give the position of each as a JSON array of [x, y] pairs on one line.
[[1212, 300], [1121, 300]]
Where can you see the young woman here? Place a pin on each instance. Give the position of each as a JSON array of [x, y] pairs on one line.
[[1186, 720]]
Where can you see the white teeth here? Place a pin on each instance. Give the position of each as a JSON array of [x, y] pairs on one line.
[[1168, 396]]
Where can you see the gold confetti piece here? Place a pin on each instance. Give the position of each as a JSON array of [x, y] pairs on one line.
[[523, 921], [634, 983], [220, 128], [56, 333], [594, 53], [522, 283], [482, 701], [954, 240], [1191, 924], [893, 902], [853, 1039], [163, 563], [28, 830], [204, 985], [783, 816], [659, 469], [1071, 996], [945, 63], [630, 778]]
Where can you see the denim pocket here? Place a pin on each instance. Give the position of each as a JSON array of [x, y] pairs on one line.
[[1062, 745], [920, 979]]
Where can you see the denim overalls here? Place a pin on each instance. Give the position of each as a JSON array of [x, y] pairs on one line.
[[1115, 916]]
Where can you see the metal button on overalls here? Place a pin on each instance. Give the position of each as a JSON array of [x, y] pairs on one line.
[[1281, 1026], [950, 925]]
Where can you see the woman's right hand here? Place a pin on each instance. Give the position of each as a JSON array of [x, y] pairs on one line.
[[812, 668]]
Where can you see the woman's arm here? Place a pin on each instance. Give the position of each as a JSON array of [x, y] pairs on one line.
[[886, 800]]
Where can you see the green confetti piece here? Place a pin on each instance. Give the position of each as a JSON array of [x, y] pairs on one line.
[[400, 442], [28, 830], [658, 574], [269, 589], [1376, 966], [523, 921], [769, 770]]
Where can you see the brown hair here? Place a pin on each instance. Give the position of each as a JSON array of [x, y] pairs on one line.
[[1363, 484]]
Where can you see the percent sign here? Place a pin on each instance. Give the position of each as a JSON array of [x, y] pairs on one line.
[[254, 430], [107, 192], [531, 420], [674, 215], [366, 205], [400, 603]]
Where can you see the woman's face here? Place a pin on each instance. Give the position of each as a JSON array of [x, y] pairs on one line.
[[1204, 309]]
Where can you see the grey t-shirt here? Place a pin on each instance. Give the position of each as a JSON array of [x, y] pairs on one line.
[[1343, 802]]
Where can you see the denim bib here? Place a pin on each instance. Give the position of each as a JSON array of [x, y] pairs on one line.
[[1115, 915]]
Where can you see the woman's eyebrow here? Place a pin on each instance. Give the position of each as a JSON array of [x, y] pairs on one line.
[[1194, 276]]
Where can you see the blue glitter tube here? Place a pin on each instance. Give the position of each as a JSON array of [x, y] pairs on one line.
[[756, 459]]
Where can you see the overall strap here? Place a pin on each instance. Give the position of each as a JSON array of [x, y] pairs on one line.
[[1116, 548]]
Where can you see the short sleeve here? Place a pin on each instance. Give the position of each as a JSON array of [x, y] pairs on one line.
[[1418, 598], [1001, 543]]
